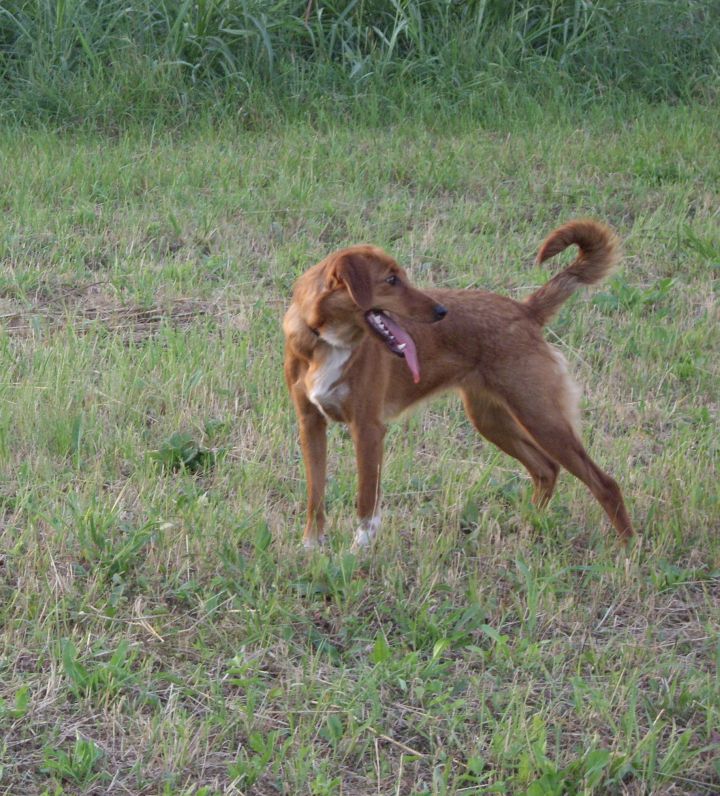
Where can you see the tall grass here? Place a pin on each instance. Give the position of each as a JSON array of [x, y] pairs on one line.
[[84, 60]]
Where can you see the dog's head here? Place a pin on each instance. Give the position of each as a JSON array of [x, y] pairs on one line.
[[363, 290]]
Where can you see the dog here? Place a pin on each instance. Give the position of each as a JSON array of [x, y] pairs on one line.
[[362, 345]]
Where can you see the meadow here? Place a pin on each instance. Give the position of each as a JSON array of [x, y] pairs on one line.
[[166, 173], [163, 630]]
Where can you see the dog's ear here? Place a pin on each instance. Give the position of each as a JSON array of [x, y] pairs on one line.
[[351, 270]]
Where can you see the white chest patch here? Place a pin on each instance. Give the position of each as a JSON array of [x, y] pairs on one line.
[[323, 390]]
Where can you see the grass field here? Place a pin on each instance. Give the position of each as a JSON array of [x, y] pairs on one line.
[[163, 632]]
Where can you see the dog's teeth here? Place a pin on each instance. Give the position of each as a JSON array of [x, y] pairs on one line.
[[402, 346]]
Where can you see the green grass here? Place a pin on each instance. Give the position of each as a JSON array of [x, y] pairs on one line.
[[89, 64], [162, 630]]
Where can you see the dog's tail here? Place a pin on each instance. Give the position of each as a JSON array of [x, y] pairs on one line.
[[599, 254]]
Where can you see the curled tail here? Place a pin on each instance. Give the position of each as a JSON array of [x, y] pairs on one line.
[[599, 253]]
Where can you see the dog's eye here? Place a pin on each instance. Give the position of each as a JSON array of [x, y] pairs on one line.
[[392, 280]]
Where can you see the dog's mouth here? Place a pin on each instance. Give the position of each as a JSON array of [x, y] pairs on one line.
[[395, 338]]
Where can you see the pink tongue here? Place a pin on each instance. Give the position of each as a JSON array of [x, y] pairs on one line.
[[410, 352]]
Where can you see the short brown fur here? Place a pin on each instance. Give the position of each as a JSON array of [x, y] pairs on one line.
[[490, 348]]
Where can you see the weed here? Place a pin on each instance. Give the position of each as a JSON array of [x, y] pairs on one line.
[[78, 766], [107, 678], [180, 451]]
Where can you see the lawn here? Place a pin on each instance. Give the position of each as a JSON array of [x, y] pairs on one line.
[[164, 632]]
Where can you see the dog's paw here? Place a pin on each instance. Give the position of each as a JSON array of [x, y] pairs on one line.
[[362, 540], [366, 533], [313, 543]]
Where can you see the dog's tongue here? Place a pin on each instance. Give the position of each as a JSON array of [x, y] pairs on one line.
[[410, 352]]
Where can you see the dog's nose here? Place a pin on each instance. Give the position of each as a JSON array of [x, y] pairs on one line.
[[440, 311]]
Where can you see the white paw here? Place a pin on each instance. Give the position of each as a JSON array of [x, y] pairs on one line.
[[366, 533], [313, 543], [362, 539]]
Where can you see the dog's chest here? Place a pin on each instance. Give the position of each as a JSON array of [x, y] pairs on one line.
[[322, 382]]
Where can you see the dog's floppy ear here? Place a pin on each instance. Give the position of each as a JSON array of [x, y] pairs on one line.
[[352, 271]]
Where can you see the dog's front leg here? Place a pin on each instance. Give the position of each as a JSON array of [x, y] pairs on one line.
[[313, 440], [368, 438]]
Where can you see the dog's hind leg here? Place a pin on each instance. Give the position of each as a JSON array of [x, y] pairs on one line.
[[548, 415], [496, 424]]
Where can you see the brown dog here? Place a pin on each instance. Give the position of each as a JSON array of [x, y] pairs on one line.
[[362, 345]]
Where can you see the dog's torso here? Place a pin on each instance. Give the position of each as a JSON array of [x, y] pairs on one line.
[[481, 327]]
